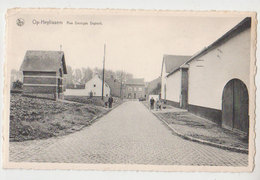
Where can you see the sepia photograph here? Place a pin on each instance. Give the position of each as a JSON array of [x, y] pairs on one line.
[[129, 90]]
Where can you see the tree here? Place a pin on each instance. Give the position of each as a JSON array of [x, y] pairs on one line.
[[87, 74], [78, 75], [69, 76], [17, 84]]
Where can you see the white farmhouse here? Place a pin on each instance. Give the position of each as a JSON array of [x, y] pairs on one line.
[[215, 82], [94, 85]]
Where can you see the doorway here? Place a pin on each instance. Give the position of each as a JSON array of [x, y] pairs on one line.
[[235, 106]]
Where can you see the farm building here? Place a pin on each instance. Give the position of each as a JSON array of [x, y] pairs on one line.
[[134, 89], [171, 85], [93, 86], [115, 86], [43, 73], [216, 80]]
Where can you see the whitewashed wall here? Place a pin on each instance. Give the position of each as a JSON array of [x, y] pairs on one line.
[[163, 82], [97, 91], [173, 87], [228, 61], [76, 92]]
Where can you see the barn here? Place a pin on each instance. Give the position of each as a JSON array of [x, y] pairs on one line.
[[216, 79], [43, 74], [171, 85]]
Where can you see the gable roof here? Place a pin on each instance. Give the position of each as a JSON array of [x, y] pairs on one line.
[[44, 61], [173, 62], [136, 81], [240, 27], [99, 78]]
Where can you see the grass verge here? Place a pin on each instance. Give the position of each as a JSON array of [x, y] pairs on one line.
[[34, 118]]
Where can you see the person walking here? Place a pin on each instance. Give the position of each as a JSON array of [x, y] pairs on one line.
[[158, 105], [152, 103], [110, 102]]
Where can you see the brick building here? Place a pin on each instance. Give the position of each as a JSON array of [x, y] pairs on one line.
[[134, 89]]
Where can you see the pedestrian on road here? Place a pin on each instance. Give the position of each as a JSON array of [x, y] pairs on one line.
[[110, 102], [152, 103], [158, 105]]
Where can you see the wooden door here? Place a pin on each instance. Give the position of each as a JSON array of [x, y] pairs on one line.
[[235, 105], [241, 118], [184, 88]]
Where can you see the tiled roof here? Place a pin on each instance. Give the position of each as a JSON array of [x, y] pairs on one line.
[[44, 61], [139, 81], [173, 62], [243, 25]]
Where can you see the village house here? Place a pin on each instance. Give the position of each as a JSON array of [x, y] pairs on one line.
[[43, 74], [171, 85], [92, 88], [134, 89], [94, 85], [115, 86], [216, 80]]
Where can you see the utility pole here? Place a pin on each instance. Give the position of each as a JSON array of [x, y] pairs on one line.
[[103, 75], [121, 79]]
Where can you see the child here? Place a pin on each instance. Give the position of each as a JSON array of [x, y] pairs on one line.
[[158, 105]]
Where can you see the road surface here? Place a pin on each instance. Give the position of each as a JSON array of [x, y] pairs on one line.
[[129, 134]]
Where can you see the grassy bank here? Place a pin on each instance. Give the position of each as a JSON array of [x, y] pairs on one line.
[[33, 118], [97, 101]]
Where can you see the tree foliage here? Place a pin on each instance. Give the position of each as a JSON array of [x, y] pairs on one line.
[[83, 75], [17, 84]]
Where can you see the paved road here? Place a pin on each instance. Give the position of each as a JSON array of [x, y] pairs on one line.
[[128, 134]]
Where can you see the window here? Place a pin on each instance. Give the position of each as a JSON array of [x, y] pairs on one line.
[[94, 85], [134, 88], [130, 89], [140, 89]]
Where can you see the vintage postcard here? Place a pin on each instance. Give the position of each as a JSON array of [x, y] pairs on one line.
[[129, 90]]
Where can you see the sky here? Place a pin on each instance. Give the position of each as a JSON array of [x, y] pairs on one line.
[[135, 41]]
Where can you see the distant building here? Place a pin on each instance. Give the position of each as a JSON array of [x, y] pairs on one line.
[[115, 86], [134, 89], [93, 86], [43, 73], [214, 83]]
